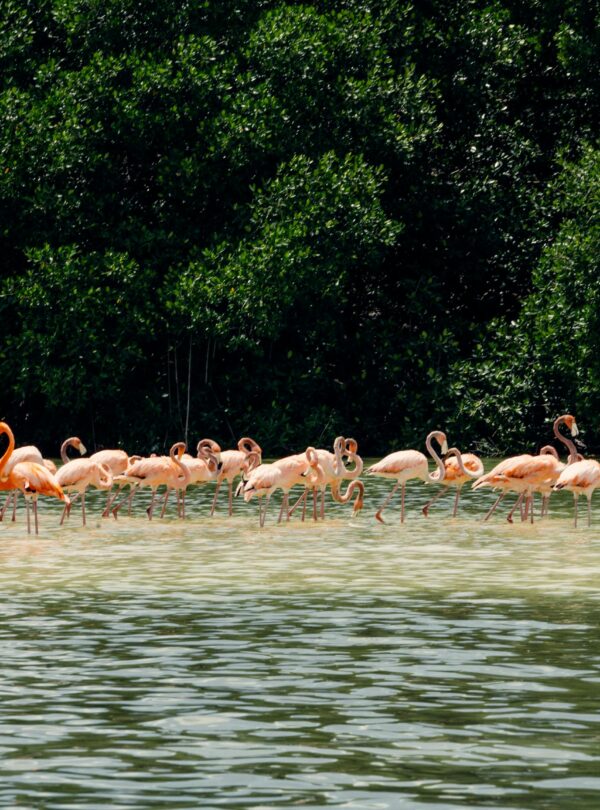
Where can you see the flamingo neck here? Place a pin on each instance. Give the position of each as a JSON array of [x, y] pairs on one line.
[[566, 441], [5, 430], [440, 464]]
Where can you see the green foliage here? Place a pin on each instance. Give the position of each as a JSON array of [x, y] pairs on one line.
[[330, 217]]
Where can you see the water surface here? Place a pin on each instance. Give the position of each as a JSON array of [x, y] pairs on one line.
[[440, 664]]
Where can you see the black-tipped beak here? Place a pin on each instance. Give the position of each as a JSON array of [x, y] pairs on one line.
[[220, 466]]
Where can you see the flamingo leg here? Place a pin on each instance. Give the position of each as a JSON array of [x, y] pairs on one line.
[[323, 504], [150, 509], [214, 503], [284, 503], [64, 514], [518, 503], [264, 513], [589, 500], [15, 499], [315, 497], [493, 509], [230, 498], [164, 506], [385, 503], [297, 504], [35, 514], [28, 517], [425, 509], [531, 503], [545, 499], [304, 505], [111, 499], [402, 502], [456, 500], [6, 502]]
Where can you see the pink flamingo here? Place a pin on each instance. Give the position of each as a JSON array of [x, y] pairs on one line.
[[407, 464], [526, 473], [580, 478], [232, 462], [204, 468], [117, 462], [77, 475], [334, 472], [460, 468], [282, 474], [30, 478], [156, 471]]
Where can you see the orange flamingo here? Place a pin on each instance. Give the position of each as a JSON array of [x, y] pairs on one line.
[[154, 472], [407, 464], [27, 453], [232, 462], [282, 474], [580, 478], [525, 473], [30, 478], [460, 468]]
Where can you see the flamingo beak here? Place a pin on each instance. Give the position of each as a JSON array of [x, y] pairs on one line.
[[444, 447], [82, 448], [574, 429]]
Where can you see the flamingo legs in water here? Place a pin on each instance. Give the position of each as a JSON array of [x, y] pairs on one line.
[[518, 503], [387, 500], [494, 505], [437, 495]]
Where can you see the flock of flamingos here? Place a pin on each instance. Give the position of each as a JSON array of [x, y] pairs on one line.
[[25, 471]]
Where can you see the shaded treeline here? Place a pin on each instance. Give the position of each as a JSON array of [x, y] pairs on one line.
[[296, 220]]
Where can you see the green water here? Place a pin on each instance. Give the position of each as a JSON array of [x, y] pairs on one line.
[[442, 664]]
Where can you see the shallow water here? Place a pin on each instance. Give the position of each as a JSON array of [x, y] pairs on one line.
[[440, 664]]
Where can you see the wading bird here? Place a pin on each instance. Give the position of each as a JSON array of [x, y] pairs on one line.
[[76, 475], [459, 468], [232, 465], [407, 464], [526, 473], [580, 478], [154, 472], [282, 474], [29, 477]]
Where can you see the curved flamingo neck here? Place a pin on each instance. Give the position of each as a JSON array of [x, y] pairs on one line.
[[175, 453], [72, 442], [456, 452], [339, 446], [548, 450], [566, 441], [5, 430], [435, 434]]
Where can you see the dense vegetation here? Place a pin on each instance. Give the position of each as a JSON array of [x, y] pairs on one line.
[[293, 220]]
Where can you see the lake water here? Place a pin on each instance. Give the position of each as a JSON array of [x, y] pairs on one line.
[[440, 664]]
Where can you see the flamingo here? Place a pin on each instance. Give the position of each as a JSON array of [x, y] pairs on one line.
[[581, 478], [282, 474], [76, 475], [29, 477], [117, 462], [526, 473], [334, 472], [460, 468], [154, 472], [27, 453], [406, 464], [232, 462], [204, 468]]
